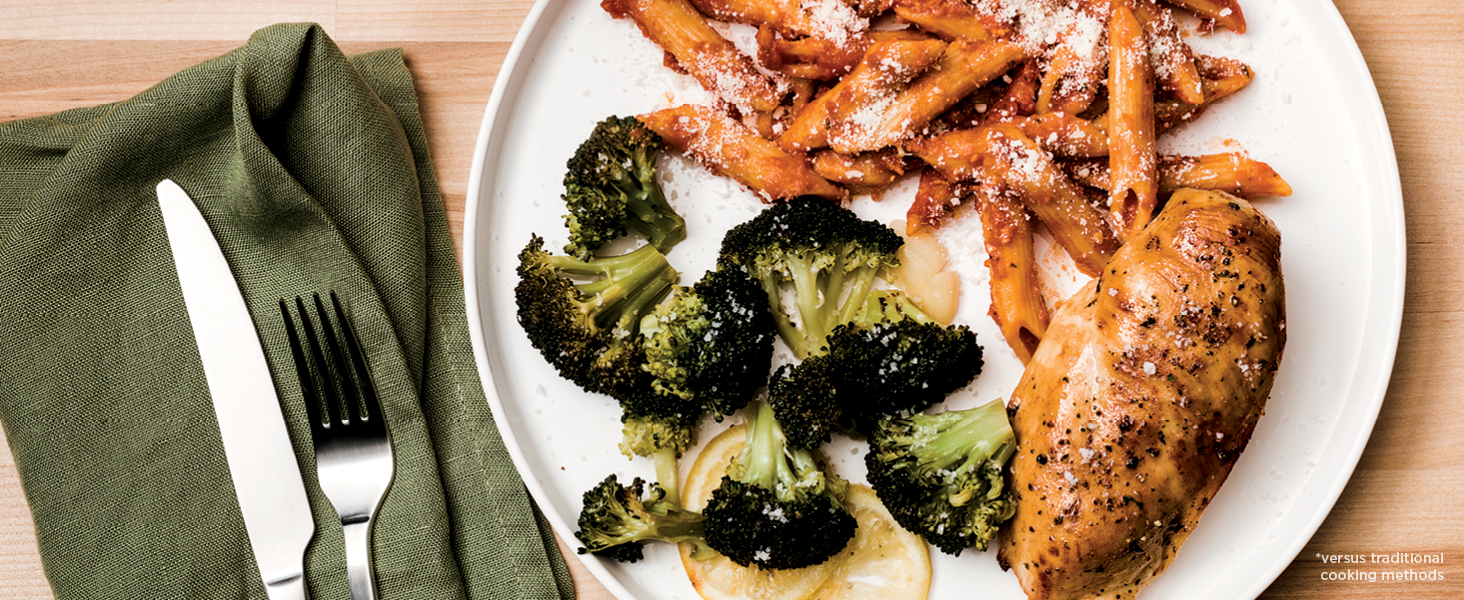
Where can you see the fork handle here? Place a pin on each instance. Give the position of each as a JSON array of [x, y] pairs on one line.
[[358, 560]]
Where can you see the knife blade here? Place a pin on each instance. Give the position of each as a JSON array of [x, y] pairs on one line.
[[262, 462]]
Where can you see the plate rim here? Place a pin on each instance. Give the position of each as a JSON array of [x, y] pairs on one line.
[[1381, 328], [511, 73], [1383, 186]]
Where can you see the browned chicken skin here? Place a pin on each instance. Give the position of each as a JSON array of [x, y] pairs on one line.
[[1141, 397]]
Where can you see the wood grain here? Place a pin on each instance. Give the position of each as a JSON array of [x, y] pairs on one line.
[[1408, 489]]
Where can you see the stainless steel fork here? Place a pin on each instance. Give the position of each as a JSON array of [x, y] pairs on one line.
[[352, 448]]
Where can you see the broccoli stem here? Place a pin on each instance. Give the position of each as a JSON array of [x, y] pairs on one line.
[[652, 214], [667, 474], [785, 326], [588, 268], [627, 317], [684, 527], [979, 436], [767, 462], [761, 459], [902, 305], [834, 282], [888, 306], [858, 293], [644, 261], [791, 484], [810, 300], [626, 284]]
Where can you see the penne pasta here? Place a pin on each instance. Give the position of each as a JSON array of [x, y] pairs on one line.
[[958, 155], [1064, 134], [1075, 66], [1003, 152], [812, 58], [1221, 77], [831, 20], [729, 148], [1133, 192], [808, 130], [1234, 172], [950, 19], [936, 198], [867, 173], [685, 35], [1016, 297], [887, 66], [1019, 99], [1225, 13], [1033, 111], [1170, 57], [892, 119], [750, 12]]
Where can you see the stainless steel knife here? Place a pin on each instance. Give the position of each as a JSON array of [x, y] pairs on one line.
[[261, 460]]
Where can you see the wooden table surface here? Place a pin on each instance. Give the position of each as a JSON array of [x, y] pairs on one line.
[[1407, 494]]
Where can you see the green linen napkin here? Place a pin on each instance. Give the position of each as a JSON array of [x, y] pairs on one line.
[[313, 171]]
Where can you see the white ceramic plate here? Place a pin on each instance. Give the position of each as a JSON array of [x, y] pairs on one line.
[[1312, 113]]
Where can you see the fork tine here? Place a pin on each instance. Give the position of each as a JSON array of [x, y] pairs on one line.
[[365, 385], [308, 382], [324, 374], [342, 372]]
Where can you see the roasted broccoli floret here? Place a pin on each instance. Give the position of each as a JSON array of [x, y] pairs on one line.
[[890, 360], [615, 522], [802, 397], [898, 360], [659, 426], [584, 315], [817, 247], [611, 185], [941, 475], [712, 343], [777, 507]]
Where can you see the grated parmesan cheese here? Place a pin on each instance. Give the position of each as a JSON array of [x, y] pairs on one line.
[[833, 20]]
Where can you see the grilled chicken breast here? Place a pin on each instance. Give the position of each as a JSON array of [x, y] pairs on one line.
[[1140, 398]]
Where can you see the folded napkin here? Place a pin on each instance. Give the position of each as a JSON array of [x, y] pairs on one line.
[[313, 171]]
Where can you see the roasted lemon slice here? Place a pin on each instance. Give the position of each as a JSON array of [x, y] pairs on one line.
[[882, 562]]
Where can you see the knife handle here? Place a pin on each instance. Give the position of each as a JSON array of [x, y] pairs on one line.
[[288, 588], [358, 563]]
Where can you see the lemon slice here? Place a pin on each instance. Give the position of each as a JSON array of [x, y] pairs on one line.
[[882, 562]]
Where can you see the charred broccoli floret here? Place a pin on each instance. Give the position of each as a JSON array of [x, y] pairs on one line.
[[890, 360], [941, 475], [817, 247], [584, 315], [899, 360], [776, 507], [611, 185], [802, 397], [615, 522], [712, 343]]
